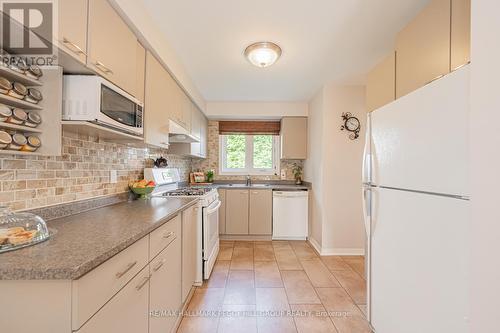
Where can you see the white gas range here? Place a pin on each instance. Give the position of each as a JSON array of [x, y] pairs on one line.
[[167, 181]]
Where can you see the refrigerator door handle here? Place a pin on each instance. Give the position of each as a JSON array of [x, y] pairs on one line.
[[367, 159], [367, 196]]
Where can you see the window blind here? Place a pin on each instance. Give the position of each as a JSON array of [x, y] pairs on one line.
[[249, 127]]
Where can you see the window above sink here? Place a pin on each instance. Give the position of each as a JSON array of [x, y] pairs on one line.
[[242, 154]]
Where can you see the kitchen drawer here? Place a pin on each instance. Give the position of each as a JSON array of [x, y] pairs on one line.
[[94, 289], [164, 235], [165, 287], [126, 312]]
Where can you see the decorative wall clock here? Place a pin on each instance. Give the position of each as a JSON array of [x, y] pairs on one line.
[[351, 124]]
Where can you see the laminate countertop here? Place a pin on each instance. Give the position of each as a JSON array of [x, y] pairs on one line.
[[86, 240]]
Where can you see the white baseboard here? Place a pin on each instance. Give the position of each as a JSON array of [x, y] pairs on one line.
[[335, 251], [315, 244], [343, 251]]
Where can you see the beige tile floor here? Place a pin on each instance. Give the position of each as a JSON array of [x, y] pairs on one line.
[[279, 286]]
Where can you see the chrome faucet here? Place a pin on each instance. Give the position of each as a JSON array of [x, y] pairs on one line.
[[249, 180]]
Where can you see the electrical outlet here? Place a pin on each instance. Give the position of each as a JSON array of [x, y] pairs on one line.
[[113, 177], [283, 174]]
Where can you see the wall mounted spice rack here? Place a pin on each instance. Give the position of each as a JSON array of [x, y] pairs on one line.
[[50, 109]]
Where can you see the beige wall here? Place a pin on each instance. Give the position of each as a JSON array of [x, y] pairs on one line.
[[334, 168], [485, 166], [81, 172], [313, 166], [255, 110], [212, 161]]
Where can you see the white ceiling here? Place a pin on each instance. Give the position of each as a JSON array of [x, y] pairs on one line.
[[322, 41]]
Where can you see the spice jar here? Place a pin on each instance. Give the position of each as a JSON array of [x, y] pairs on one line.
[[5, 139], [18, 117], [34, 72], [5, 112], [32, 144], [33, 120], [5, 85], [19, 90], [19, 65], [33, 96], [18, 141]]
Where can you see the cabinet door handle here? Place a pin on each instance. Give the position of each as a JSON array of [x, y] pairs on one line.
[[128, 268], [77, 49], [158, 266], [255, 192], [143, 282], [168, 234], [100, 66]]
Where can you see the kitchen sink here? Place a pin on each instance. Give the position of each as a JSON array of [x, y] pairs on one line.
[[253, 185]]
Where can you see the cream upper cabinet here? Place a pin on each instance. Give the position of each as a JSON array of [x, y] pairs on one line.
[[381, 84], [460, 33], [140, 71], [423, 48], [165, 288], [294, 138], [222, 211], [204, 137], [112, 46], [126, 312], [72, 25], [186, 112], [237, 212], [196, 118], [156, 106], [175, 112], [260, 212], [190, 219]]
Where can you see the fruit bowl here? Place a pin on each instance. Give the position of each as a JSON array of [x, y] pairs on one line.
[[142, 188], [142, 191]]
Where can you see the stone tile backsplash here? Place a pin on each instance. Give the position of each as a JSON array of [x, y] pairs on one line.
[[82, 172], [212, 161]]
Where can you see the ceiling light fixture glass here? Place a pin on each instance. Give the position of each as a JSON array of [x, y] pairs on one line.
[[263, 54]]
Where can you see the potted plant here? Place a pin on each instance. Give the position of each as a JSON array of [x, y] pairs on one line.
[[297, 173], [210, 176]]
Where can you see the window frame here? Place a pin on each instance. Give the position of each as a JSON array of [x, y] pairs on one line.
[[248, 170]]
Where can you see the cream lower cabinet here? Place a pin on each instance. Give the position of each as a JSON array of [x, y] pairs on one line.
[[260, 212], [127, 311], [191, 217], [165, 297], [247, 212], [222, 211], [237, 212]]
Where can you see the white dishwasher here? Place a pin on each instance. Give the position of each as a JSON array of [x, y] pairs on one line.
[[290, 215]]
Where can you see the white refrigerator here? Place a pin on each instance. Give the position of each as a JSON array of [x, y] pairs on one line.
[[416, 203]]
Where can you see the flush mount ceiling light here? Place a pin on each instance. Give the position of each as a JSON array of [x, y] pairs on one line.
[[263, 54]]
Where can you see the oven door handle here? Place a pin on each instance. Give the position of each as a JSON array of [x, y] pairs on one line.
[[211, 209]]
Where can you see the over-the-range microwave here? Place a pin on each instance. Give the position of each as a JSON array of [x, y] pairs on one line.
[[94, 99]]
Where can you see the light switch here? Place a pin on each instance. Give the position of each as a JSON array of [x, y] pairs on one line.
[[113, 177]]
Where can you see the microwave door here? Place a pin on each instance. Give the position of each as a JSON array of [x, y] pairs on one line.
[[117, 109]]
